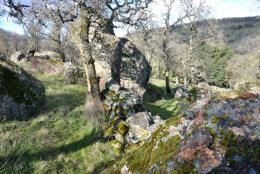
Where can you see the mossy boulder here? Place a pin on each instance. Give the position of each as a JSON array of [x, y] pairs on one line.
[[49, 55], [74, 74], [213, 136], [21, 95]]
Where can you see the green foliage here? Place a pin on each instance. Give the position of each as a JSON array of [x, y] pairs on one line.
[[215, 59]]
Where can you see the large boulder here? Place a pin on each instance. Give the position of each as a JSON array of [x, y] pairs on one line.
[[21, 95], [74, 74], [49, 66], [49, 55], [17, 57], [119, 59], [213, 136]]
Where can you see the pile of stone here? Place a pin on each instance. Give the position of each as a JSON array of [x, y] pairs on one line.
[[129, 124]]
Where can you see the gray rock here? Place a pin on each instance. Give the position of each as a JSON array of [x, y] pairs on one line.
[[180, 92], [113, 86], [123, 63], [17, 56], [21, 95], [49, 55], [139, 124]]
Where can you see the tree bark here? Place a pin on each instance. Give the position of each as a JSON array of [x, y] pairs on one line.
[[167, 81], [177, 79], [185, 81], [80, 34]]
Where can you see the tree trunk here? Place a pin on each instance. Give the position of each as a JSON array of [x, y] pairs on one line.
[[185, 81], [93, 83], [160, 72], [80, 34], [177, 79], [167, 81]]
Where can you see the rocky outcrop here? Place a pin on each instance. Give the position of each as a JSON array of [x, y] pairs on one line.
[[213, 136], [21, 95]]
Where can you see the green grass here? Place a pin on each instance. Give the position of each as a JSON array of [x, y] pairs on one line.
[[61, 139], [158, 102]]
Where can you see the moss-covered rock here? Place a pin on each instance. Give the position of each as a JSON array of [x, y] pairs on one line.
[[116, 146], [21, 95], [213, 136]]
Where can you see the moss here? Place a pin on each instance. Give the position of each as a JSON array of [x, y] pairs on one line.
[[15, 87], [108, 132], [115, 120], [115, 146], [131, 147], [186, 168], [55, 62], [216, 119], [165, 150], [122, 128], [173, 121]]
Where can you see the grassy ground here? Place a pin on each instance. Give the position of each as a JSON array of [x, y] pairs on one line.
[[158, 102], [61, 139]]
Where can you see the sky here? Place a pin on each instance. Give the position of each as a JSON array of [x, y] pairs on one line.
[[219, 9]]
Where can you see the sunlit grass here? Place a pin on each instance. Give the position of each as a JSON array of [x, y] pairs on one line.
[[61, 139], [159, 103]]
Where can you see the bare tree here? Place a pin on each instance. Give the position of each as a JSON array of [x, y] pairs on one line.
[[194, 11], [88, 13]]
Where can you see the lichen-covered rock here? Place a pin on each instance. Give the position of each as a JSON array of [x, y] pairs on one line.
[[139, 124], [119, 59], [128, 122], [75, 74], [49, 55], [21, 95], [17, 56], [247, 86], [213, 136], [180, 92]]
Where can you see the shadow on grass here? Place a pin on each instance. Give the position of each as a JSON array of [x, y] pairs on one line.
[[67, 101], [158, 110], [159, 103], [22, 163]]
